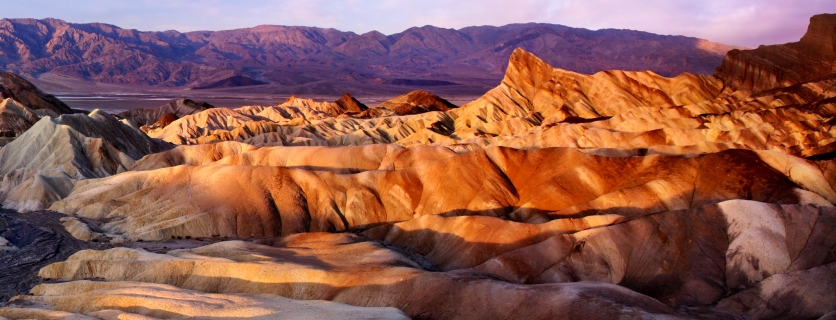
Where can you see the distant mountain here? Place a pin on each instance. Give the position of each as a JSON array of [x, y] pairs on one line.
[[291, 56]]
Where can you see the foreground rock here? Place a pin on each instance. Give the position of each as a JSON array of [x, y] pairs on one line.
[[38, 239], [117, 300], [800, 294], [316, 266]]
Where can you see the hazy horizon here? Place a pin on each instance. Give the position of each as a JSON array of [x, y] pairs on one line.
[[742, 23]]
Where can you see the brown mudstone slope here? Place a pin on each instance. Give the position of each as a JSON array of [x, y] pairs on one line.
[[15, 87], [179, 108], [557, 194]]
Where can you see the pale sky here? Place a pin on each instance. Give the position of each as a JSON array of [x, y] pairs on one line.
[[736, 22]]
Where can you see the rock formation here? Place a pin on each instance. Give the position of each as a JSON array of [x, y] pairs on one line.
[[313, 266], [15, 119], [41, 165], [94, 300], [345, 104], [14, 87], [282, 196], [179, 108], [413, 102], [22, 105], [783, 65], [555, 195]]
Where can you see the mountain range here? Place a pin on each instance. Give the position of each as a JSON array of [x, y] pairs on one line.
[[309, 60]]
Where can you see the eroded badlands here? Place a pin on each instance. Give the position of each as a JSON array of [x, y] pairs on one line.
[[555, 195]]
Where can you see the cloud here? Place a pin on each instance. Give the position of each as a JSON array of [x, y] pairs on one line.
[[739, 22]]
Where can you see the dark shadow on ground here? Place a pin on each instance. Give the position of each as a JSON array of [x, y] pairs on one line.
[[41, 240]]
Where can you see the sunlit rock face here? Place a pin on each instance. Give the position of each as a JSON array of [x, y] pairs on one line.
[[555, 195], [284, 196]]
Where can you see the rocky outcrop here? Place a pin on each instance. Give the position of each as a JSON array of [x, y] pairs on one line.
[[22, 104], [14, 87], [799, 294], [537, 106], [413, 102], [784, 65], [535, 93], [150, 116], [300, 122], [345, 104], [15, 118], [349, 104], [725, 247]]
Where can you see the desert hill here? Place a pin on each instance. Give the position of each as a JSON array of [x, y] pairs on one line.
[[557, 194], [308, 60]]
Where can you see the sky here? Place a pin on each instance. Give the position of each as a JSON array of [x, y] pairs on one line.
[[735, 22]]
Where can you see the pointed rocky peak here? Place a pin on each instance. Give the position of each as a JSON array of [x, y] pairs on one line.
[[188, 105], [294, 101], [524, 60], [526, 71], [349, 104]]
